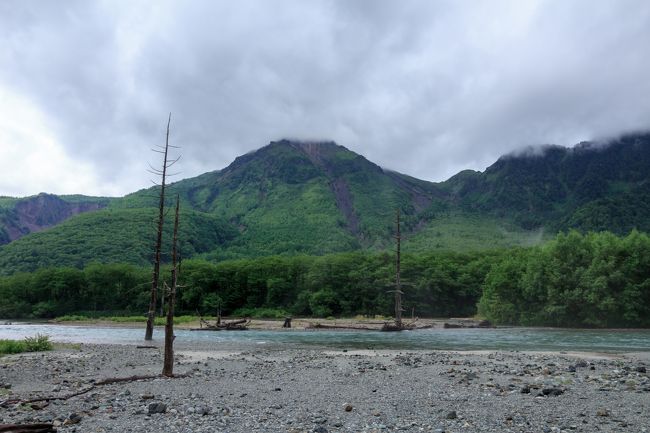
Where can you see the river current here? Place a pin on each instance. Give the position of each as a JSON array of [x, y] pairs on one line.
[[524, 339]]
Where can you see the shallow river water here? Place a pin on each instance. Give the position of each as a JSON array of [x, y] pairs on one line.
[[525, 339]]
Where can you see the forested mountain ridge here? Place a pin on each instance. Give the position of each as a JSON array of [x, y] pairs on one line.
[[590, 187], [318, 197], [296, 197]]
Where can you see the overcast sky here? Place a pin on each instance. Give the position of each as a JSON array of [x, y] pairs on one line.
[[426, 87]]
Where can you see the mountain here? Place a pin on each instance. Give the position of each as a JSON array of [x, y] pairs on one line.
[[294, 197], [590, 187], [21, 216]]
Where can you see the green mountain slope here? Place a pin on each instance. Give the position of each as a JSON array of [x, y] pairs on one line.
[[292, 197], [315, 198], [111, 236], [589, 187]]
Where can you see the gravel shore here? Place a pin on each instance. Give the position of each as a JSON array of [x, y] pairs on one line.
[[250, 389]]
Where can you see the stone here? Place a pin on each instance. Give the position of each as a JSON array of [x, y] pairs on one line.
[[203, 410], [553, 392], [320, 429], [602, 412], [157, 407], [641, 369], [451, 415], [73, 418], [347, 407]]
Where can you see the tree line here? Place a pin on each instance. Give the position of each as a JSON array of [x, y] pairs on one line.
[[575, 280], [593, 280]]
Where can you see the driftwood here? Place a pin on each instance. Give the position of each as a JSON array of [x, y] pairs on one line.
[[356, 328], [396, 327], [27, 428], [481, 324], [108, 381], [424, 327], [386, 326], [235, 325]]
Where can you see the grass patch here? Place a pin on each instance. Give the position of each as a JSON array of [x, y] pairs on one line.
[[38, 343], [73, 318], [467, 233], [8, 347]]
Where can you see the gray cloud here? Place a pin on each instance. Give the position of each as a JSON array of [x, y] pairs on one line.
[[425, 88]]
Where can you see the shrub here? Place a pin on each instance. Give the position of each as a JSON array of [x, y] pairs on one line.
[[38, 343]]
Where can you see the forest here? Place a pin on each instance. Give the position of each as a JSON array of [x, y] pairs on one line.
[[574, 280]]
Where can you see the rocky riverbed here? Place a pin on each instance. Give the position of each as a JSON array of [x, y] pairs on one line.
[[229, 389]]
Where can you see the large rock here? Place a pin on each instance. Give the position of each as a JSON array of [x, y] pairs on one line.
[[157, 407]]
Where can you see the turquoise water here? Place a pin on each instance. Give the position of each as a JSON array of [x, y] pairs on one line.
[[529, 339]]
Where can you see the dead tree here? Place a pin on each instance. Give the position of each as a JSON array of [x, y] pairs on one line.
[[155, 280], [398, 284], [398, 325], [168, 363]]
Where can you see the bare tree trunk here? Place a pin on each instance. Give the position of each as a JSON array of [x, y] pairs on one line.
[[168, 363], [151, 315], [398, 285]]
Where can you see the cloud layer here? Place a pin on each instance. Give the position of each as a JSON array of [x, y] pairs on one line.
[[426, 88]]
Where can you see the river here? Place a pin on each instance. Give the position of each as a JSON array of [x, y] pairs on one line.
[[524, 339]]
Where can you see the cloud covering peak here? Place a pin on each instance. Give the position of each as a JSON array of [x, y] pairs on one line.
[[425, 88]]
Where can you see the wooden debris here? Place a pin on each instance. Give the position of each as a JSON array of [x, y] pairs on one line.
[[27, 428], [318, 325], [107, 381], [235, 325], [468, 324]]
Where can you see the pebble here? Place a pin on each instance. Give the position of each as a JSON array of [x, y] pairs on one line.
[[485, 392]]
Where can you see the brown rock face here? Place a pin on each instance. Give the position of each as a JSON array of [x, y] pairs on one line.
[[41, 211]]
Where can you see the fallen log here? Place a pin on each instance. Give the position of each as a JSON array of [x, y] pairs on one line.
[[112, 380], [107, 381], [391, 327], [482, 324], [27, 428], [236, 325], [355, 328]]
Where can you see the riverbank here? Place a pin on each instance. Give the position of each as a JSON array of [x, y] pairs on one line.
[[300, 389], [265, 324]]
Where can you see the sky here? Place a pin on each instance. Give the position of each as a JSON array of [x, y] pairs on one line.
[[423, 87]]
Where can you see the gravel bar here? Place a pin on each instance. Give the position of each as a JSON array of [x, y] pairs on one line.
[[250, 389]]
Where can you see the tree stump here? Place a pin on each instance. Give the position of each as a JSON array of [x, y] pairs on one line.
[[287, 322]]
